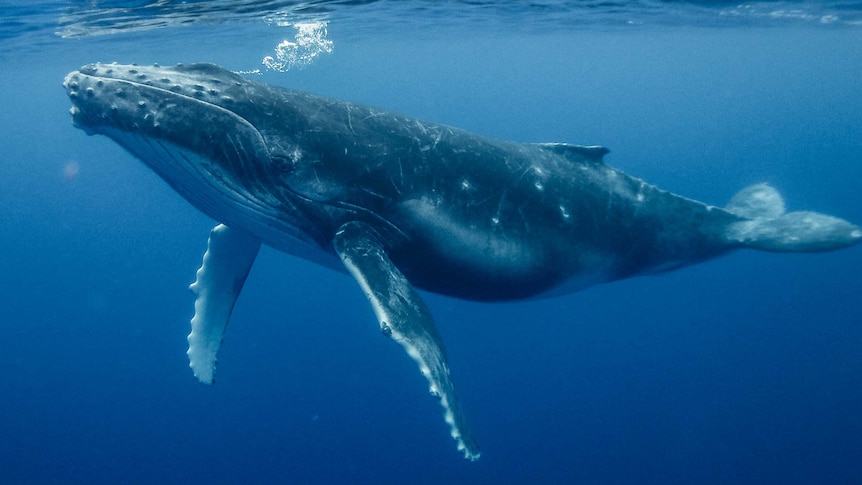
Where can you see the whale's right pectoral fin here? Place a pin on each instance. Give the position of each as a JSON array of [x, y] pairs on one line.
[[227, 261], [404, 317]]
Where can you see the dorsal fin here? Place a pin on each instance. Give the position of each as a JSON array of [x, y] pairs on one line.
[[576, 153]]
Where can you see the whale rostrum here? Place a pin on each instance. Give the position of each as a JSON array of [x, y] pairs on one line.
[[401, 204]]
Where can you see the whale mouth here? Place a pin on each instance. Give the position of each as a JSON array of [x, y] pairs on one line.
[[179, 109], [172, 120], [181, 122]]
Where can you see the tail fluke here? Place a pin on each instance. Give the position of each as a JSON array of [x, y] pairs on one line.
[[767, 227]]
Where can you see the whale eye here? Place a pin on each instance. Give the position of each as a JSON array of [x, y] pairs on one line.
[[285, 159], [282, 163]]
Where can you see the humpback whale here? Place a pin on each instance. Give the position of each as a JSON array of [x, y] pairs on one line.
[[401, 204]]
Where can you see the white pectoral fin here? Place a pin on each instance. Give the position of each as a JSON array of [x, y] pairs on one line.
[[404, 317], [226, 263]]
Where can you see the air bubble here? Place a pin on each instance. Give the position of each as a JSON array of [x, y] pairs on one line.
[[309, 42]]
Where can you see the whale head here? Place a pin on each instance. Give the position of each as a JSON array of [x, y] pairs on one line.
[[222, 142]]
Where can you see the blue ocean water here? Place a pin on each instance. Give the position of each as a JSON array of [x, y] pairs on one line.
[[744, 369]]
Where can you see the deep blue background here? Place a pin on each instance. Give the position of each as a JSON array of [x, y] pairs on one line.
[[741, 370]]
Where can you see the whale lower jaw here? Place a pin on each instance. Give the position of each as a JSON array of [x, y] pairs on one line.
[[175, 165]]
